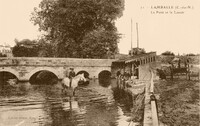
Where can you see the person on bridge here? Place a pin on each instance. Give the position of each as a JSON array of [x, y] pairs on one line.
[[72, 74]]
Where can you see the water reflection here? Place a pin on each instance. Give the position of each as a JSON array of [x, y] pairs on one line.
[[36, 105]]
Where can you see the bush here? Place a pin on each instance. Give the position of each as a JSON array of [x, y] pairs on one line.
[[190, 54], [168, 53]]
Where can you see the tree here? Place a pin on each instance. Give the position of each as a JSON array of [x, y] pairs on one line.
[[168, 53], [72, 25], [25, 48], [45, 48], [99, 44]]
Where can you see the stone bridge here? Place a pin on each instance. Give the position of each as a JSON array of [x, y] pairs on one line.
[[24, 67]]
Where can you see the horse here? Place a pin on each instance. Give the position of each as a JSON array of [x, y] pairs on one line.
[[74, 83]]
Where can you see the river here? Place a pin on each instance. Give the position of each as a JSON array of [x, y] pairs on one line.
[[47, 105]]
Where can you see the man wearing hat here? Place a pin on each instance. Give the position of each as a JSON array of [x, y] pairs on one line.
[[72, 74]]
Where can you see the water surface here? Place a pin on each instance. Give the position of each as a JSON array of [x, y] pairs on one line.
[[47, 105]]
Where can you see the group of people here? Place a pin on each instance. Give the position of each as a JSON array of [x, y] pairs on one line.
[[124, 75]]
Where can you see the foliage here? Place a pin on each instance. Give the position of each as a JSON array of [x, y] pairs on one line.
[[32, 48], [190, 54], [45, 48], [72, 25], [99, 44], [25, 48], [168, 53]]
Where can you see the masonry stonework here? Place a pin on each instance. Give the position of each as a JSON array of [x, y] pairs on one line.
[[23, 67]]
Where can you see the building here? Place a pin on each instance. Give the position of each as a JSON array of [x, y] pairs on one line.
[[6, 50], [136, 65]]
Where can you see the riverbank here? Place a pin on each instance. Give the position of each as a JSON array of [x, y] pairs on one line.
[[135, 89], [178, 104]]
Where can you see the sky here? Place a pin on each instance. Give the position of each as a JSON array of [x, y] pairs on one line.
[[179, 33]]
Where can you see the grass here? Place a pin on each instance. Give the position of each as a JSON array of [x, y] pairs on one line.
[[178, 104]]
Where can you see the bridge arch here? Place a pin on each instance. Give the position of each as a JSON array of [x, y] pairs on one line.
[[42, 69], [9, 70], [86, 74], [104, 74]]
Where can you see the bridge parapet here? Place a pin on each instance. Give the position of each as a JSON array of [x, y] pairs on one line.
[[72, 62]]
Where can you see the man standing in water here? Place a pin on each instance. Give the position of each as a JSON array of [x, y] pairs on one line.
[[72, 74]]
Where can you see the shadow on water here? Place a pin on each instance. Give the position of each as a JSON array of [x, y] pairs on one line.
[[123, 98], [105, 82], [120, 96], [5, 77], [15, 90], [104, 78], [44, 77]]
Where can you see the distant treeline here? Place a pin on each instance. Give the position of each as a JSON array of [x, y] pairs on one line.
[[167, 59]]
